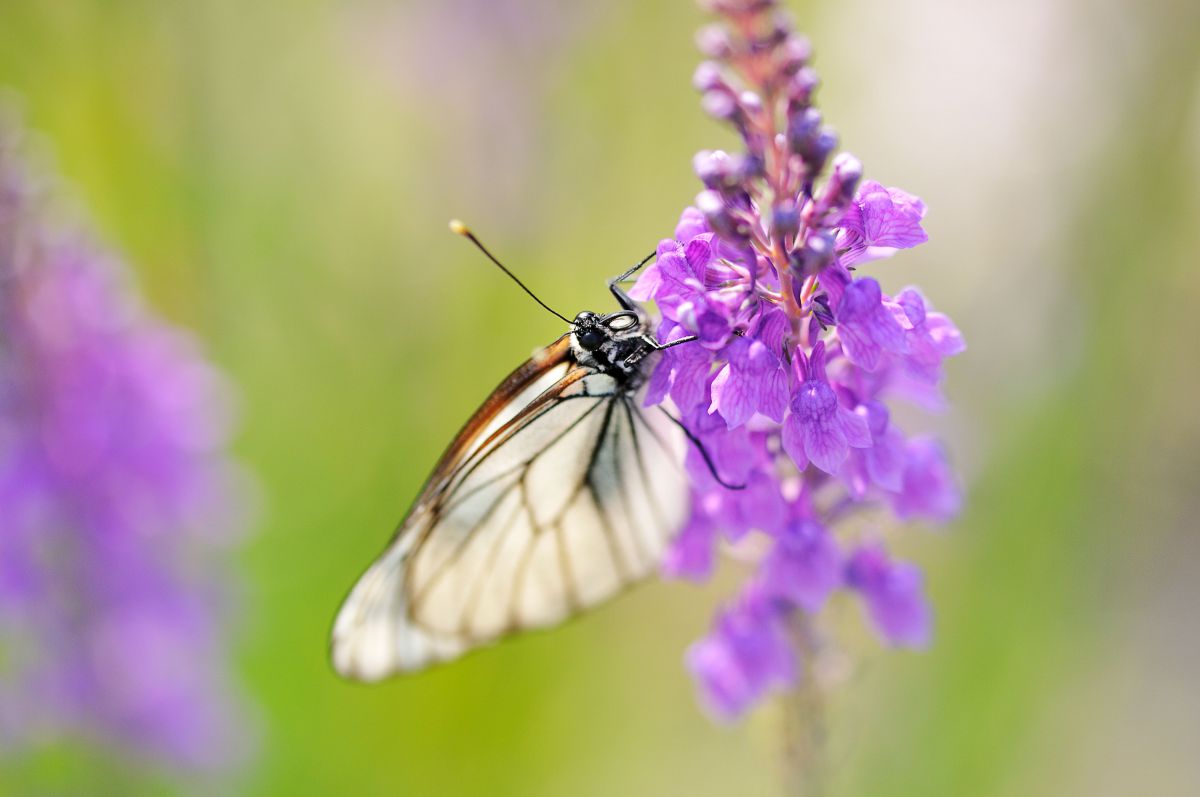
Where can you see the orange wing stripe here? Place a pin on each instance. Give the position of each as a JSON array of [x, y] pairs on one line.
[[525, 375]]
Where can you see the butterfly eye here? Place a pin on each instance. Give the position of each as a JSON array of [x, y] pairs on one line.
[[620, 322], [590, 338]]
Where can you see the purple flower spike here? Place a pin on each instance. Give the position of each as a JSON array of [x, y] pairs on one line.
[[819, 429], [118, 502], [865, 327], [795, 357], [893, 594]]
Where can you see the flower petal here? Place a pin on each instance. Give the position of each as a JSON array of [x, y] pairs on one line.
[[734, 396], [853, 428], [825, 445], [894, 596], [805, 566], [793, 441], [743, 658], [929, 489], [692, 552], [691, 224], [865, 327]]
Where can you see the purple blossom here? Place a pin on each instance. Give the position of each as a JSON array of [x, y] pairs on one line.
[[881, 465], [819, 429], [879, 222], [893, 595], [747, 655], [866, 327], [786, 387], [752, 380], [118, 503], [929, 489], [931, 337], [805, 565], [691, 554]]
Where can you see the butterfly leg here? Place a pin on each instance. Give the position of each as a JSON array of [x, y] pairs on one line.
[[712, 468], [633, 269], [614, 284], [662, 346]]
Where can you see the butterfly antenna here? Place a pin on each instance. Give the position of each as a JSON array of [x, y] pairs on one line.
[[458, 228]]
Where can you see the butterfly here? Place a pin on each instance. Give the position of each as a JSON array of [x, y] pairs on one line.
[[559, 491]]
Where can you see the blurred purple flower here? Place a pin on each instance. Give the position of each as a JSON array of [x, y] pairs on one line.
[[929, 489], [795, 357], [892, 592], [117, 505], [746, 656], [805, 565]]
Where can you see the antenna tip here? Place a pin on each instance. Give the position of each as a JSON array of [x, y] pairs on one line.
[[458, 228]]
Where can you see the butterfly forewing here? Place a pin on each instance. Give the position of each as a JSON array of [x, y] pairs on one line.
[[558, 492]]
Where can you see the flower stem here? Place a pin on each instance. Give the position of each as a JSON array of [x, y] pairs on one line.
[[803, 718]]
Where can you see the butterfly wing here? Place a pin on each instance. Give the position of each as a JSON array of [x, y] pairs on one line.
[[557, 493]]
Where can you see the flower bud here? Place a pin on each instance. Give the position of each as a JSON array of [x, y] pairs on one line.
[[715, 168], [751, 102], [822, 148], [750, 166], [777, 34], [785, 219], [713, 42], [802, 86], [794, 54], [818, 252], [847, 172], [803, 127], [708, 77], [716, 213]]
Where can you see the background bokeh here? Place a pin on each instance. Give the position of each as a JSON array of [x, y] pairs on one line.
[[279, 174]]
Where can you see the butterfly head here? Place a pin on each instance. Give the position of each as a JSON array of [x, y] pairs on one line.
[[611, 343]]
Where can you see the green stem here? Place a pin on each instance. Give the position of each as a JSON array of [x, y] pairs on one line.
[[803, 718]]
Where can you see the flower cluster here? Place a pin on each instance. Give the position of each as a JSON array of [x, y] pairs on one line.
[[115, 497], [795, 357]]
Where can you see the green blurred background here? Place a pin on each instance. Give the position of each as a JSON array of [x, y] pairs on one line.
[[279, 174]]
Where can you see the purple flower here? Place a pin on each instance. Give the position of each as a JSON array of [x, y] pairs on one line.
[[805, 565], [752, 380], [879, 222], [865, 327], [819, 429], [931, 337], [118, 503], [682, 372], [691, 554], [785, 389], [746, 655], [881, 465], [893, 595], [929, 489]]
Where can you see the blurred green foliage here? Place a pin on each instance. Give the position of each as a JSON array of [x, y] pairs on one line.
[[279, 174]]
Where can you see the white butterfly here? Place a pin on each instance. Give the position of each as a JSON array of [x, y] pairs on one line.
[[559, 491]]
